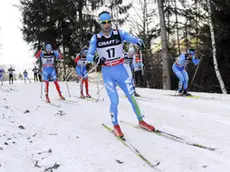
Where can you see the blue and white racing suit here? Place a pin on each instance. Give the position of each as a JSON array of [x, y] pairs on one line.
[[114, 71], [179, 69]]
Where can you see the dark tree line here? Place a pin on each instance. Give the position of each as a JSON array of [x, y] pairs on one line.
[[69, 24], [187, 26]]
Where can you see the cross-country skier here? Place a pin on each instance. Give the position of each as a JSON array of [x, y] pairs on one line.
[[25, 74], [48, 58], [36, 71], [180, 71], [138, 65], [1, 75], [82, 73], [130, 61], [11, 75], [109, 46]]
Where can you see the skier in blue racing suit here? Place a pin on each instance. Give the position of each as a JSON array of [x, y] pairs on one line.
[[109, 45], [179, 69]]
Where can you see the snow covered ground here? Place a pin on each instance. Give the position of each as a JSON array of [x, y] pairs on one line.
[[38, 137]]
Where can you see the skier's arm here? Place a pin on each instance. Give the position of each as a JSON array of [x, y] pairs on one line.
[[92, 49], [58, 55], [129, 38], [77, 58], [39, 53], [195, 60], [180, 60]]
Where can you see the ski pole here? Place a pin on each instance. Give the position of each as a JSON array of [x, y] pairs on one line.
[[41, 88], [94, 68], [70, 74], [195, 73], [29, 79], [98, 93], [68, 88], [100, 90], [142, 70]]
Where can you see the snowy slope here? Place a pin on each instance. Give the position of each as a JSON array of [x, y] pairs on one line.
[[72, 135]]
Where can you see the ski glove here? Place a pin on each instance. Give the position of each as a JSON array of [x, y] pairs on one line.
[[141, 45], [99, 60]]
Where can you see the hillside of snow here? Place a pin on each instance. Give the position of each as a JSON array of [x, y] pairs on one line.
[[39, 137]]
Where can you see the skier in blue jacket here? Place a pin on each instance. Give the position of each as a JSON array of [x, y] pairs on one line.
[[180, 71], [109, 45]]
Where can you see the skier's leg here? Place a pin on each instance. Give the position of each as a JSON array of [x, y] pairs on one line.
[[9, 78], [110, 86], [141, 79], [134, 83], [46, 88], [113, 96], [46, 80], [81, 87], [81, 79], [87, 87], [85, 74], [34, 77], [57, 87], [125, 83], [186, 79], [179, 75], [54, 78], [137, 79]]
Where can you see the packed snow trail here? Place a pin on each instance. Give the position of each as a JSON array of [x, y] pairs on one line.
[[38, 137]]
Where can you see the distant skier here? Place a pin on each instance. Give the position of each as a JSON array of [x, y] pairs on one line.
[[48, 58], [109, 46], [36, 71], [138, 65], [25, 74], [11, 75], [20, 76], [82, 73], [1, 75], [130, 61], [180, 71]]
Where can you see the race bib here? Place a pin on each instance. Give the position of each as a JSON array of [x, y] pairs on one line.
[[48, 60], [114, 52]]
